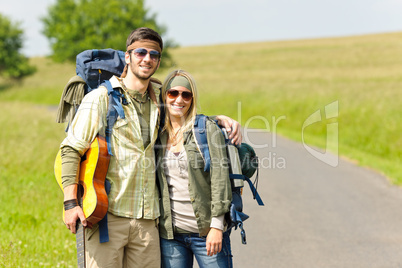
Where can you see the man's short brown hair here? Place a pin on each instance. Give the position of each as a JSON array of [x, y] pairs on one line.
[[144, 33]]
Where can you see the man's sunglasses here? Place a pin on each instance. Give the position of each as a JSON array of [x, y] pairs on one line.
[[141, 53], [173, 94]]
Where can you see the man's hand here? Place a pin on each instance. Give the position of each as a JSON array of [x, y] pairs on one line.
[[214, 241], [72, 215], [232, 127]]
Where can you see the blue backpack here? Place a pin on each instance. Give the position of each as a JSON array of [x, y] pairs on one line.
[[94, 68], [243, 165]]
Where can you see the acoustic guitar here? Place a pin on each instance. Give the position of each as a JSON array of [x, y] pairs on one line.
[[91, 192]]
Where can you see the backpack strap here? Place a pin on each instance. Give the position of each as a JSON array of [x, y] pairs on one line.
[[200, 132], [237, 218], [252, 188], [236, 214], [114, 111], [103, 227]]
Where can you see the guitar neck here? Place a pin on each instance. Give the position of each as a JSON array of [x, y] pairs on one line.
[[80, 233], [80, 238]]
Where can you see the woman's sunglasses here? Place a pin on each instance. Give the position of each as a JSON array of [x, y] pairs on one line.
[[141, 53], [173, 94]]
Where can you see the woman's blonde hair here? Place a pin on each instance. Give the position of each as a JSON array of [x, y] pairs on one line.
[[189, 117]]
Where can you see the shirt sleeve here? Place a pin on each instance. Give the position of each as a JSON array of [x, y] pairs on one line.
[[221, 190], [70, 161], [218, 222], [89, 120]]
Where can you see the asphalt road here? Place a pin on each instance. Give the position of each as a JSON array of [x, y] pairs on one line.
[[316, 215]]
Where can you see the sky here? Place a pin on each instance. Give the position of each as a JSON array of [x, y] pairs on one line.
[[209, 22]]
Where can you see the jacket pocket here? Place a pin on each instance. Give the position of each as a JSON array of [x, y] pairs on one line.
[[195, 159]]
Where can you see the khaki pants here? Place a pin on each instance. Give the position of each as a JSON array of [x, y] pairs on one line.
[[133, 243]]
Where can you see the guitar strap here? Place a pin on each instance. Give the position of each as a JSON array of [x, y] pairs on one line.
[[103, 229]]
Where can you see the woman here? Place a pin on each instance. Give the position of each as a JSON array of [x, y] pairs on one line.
[[193, 202]]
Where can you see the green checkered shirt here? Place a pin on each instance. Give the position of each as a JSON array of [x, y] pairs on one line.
[[132, 167]]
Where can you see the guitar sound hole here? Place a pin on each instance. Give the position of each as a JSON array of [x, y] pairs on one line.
[[80, 191]]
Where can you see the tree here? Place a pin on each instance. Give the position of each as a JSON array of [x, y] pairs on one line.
[[12, 63], [73, 26]]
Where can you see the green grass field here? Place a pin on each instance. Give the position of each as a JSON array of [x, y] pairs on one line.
[[255, 83]]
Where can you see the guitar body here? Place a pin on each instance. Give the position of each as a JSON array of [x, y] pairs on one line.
[[93, 169]]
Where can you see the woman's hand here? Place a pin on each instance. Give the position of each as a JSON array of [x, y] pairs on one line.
[[214, 241]]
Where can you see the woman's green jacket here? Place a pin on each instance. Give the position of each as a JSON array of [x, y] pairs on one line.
[[210, 192]]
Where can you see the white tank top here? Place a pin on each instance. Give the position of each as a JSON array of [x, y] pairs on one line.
[[176, 169]]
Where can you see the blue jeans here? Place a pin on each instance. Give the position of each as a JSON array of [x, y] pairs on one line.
[[179, 252]]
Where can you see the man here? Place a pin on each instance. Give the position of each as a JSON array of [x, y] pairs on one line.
[[133, 199]]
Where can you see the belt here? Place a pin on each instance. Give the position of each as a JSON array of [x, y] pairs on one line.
[[178, 230]]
